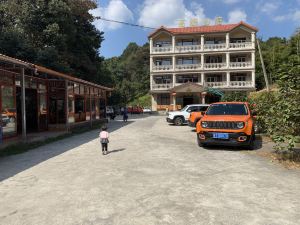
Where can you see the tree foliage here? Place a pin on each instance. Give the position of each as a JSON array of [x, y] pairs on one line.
[[58, 34]]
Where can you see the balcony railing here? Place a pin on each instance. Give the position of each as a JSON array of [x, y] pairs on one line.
[[162, 67], [216, 84], [161, 86], [215, 46], [211, 66], [188, 48], [162, 49], [241, 83], [240, 45], [188, 66], [240, 64]]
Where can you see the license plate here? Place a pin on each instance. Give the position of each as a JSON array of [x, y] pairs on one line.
[[221, 135]]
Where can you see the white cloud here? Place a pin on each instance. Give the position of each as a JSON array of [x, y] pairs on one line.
[[115, 10], [294, 16], [268, 7], [236, 16], [231, 1], [156, 13]]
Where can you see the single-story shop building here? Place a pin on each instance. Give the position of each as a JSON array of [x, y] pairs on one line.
[[34, 98]]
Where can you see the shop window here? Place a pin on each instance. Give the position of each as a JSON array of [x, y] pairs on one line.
[[8, 114], [163, 100]]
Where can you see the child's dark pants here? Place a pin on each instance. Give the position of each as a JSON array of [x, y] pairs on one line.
[[104, 147]]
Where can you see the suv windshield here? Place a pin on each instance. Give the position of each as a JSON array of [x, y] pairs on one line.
[[227, 109], [184, 108]]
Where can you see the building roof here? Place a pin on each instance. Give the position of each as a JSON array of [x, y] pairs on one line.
[[42, 69], [204, 29]]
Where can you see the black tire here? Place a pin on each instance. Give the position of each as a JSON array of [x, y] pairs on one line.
[[196, 122], [178, 121], [251, 145], [199, 142]]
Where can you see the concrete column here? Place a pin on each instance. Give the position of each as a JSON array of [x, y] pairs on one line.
[[151, 63], [227, 40], [151, 81], [174, 79], [253, 59], [227, 59], [154, 102], [23, 104], [203, 94], [202, 61], [253, 78], [174, 102], [253, 39], [202, 42], [174, 62], [228, 79], [151, 44], [202, 79], [67, 105], [173, 43]]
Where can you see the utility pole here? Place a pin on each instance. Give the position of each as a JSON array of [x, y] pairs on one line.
[[263, 66]]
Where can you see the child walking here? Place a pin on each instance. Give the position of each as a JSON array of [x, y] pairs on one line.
[[104, 139]]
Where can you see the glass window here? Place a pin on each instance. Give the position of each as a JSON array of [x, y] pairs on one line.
[[9, 113], [187, 78], [162, 79], [6, 78], [227, 109], [79, 104], [70, 88], [163, 99], [216, 78], [76, 89], [81, 90]]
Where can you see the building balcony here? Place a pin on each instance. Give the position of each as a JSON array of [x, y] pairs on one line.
[[216, 84], [162, 67], [213, 66], [162, 86], [188, 67], [241, 84], [242, 45], [214, 47], [188, 48], [164, 49], [240, 65]]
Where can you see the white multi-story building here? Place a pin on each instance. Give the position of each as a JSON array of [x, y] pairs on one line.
[[191, 64]]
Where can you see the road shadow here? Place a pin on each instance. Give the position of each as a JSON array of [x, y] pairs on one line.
[[117, 150], [14, 164], [258, 143]]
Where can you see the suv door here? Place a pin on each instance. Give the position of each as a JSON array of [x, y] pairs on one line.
[[189, 110]]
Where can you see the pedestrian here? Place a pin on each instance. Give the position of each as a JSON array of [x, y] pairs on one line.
[[125, 115], [122, 111], [104, 140]]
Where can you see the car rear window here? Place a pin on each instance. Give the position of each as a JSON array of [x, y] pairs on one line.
[[227, 109]]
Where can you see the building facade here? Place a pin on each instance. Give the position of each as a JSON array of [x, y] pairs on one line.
[[34, 99], [192, 65]]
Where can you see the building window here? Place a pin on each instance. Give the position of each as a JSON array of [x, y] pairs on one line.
[[9, 113], [163, 99], [185, 42], [184, 61], [237, 40], [214, 78], [162, 43], [238, 58], [162, 79], [213, 59], [193, 78], [163, 62], [238, 77]]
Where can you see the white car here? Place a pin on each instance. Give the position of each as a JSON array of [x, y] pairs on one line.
[[181, 117], [147, 110], [109, 110]]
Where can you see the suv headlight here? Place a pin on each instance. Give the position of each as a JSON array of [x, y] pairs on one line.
[[204, 124], [240, 125]]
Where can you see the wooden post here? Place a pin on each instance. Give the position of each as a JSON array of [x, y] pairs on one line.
[[263, 66], [67, 106], [23, 104]]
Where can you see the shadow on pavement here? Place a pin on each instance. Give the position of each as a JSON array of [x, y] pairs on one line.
[[14, 164], [257, 145], [117, 150]]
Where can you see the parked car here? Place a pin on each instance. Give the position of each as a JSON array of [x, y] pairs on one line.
[[181, 117], [135, 110], [196, 116], [147, 110], [226, 123]]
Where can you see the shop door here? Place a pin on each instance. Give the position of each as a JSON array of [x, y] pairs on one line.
[[57, 111], [31, 104], [188, 100]]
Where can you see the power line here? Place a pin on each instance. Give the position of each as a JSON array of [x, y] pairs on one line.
[[116, 21]]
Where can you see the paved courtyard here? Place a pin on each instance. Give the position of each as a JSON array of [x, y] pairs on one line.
[[154, 174]]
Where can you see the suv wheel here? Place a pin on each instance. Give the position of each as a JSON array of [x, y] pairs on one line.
[[178, 121], [251, 145]]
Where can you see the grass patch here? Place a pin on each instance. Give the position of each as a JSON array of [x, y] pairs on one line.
[[19, 148]]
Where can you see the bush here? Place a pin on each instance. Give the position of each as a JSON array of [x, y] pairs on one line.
[[143, 101]]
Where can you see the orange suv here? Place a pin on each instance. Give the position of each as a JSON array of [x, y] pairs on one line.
[[226, 123], [196, 116]]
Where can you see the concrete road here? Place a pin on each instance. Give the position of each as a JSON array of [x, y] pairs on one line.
[[154, 174]]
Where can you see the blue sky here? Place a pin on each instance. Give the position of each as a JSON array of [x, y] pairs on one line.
[[272, 17]]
